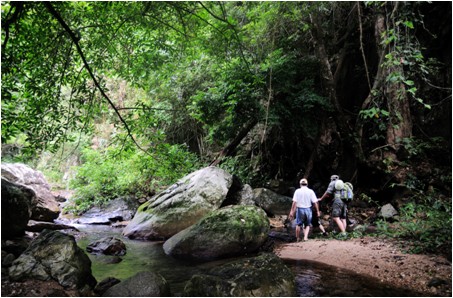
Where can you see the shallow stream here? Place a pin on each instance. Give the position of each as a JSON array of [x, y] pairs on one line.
[[312, 279]]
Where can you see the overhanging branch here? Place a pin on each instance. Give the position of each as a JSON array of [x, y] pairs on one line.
[[75, 40]]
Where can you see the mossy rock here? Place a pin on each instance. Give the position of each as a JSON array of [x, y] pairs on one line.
[[229, 231], [261, 276], [181, 205]]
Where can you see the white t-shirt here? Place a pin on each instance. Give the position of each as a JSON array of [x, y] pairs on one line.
[[304, 197]]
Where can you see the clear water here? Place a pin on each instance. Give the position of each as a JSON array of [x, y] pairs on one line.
[[312, 279], [315, 279], [140, 256]]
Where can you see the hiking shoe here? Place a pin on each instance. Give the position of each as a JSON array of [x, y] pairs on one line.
[[325, 234]]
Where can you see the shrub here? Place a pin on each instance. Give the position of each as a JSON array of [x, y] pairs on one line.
[[105, 175], [426, 223]]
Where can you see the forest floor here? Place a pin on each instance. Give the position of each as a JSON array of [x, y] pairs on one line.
[[379, 258]]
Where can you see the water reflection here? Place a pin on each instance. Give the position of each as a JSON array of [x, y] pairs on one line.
[[140, 256], [313, 279]]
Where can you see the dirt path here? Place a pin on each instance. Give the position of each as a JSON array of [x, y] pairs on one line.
[[378, 258]]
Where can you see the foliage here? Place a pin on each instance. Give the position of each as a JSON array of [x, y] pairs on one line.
[[113, 172], [243, 168], [418, 148], [426, 223], [187, 77]]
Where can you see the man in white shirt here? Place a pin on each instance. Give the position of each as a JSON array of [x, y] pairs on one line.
[[303, 199]]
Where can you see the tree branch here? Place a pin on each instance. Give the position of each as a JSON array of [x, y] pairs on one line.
[[146, 109], [229, 149], [75, 39], [361, 45], [18, 8]]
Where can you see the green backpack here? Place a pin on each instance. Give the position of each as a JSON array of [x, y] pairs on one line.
[[344, 190]]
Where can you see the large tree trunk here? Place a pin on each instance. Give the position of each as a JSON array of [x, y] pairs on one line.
[[326, 71], [399, 124], [348, 143], [379, 78], [314, 152]]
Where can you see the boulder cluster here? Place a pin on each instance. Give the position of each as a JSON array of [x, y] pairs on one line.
[[207, 215]]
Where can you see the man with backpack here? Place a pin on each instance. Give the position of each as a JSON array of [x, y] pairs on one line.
[[339, 209]]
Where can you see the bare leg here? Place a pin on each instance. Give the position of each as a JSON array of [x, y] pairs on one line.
[[343, 220], [306, 231], [321, 227], [339, 224], [297, 233]]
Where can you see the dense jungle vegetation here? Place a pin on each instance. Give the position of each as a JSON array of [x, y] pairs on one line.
[[124, 98]]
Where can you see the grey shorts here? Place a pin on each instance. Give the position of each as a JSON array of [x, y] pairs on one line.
[[339, 209]]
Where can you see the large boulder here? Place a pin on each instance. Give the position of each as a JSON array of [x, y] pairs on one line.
[[261, 276], [16, 208], [181, 205], [271, 202], [54, 256], [143, 284], [45, 205], [226, 232], [119, 209]]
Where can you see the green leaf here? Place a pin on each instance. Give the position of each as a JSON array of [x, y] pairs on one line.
[[409, 82], [409, 24]]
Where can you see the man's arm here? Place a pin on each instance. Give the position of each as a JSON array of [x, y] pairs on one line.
[[317, 207], [325, 195], [314, 201], [293, 209]]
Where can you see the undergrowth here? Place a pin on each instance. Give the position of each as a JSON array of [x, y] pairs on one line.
[[425, 224], [111, 173]]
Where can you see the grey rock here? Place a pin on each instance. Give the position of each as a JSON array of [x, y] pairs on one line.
[[387, 212], [119, 209], [39, 226], [143, 284], [54, 255], [45, 206], [7, 261], [229, 231], [17, 202], [246, 196], [181, 205], [105, 284], [261, 276], [271, 202], [107, 246]]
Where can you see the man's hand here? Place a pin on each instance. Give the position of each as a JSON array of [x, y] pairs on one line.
[[291, 216]]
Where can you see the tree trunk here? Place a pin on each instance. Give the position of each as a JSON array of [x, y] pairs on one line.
[[314, 152], [326, 70], [399, 125], [379, 28], [348, 142], [229, 149]]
